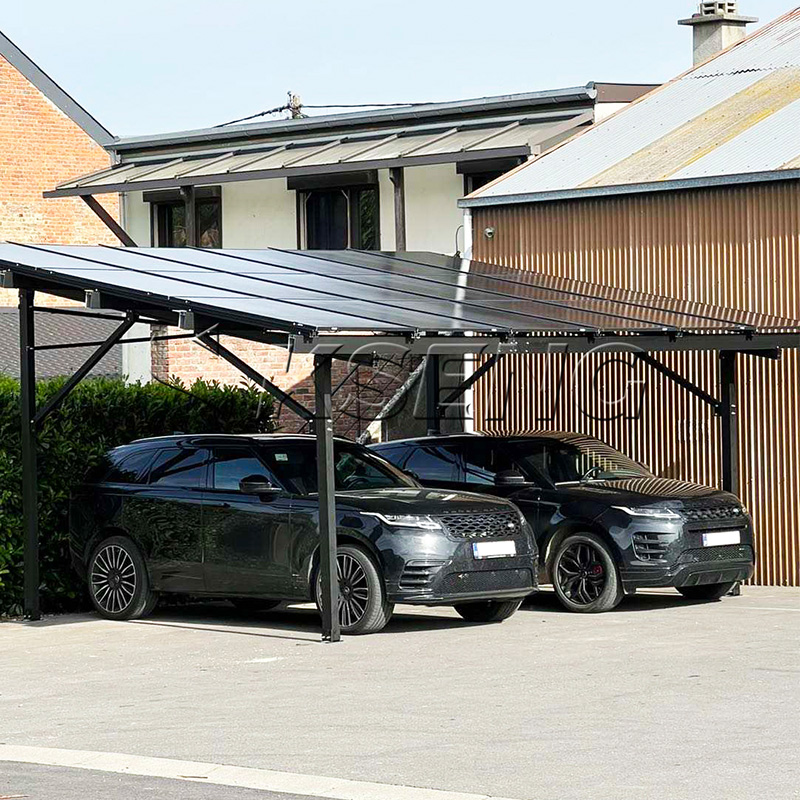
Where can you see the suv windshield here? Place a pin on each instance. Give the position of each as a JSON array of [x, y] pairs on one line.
[[354, 467], [579, 460]]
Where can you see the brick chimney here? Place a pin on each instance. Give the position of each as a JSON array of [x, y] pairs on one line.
[[717, 25]]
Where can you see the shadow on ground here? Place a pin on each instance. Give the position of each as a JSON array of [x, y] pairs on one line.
[[288, 622], [545, 601], [302, 623], [298, 622]]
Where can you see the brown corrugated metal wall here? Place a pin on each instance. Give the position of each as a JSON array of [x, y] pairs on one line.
[[731, 246]]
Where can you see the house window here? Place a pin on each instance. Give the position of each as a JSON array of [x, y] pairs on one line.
[[341, 218], [478, 173], [478, 180], [169, 218]]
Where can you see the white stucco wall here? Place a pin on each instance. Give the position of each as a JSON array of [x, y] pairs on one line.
[[432, 212], [386, 192], [137, 218], [254, 214], [259, 214], [136, 364]]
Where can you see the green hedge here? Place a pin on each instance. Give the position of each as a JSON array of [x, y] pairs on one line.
[[99, 414]]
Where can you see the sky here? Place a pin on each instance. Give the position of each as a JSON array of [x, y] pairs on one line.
[[151, 66]]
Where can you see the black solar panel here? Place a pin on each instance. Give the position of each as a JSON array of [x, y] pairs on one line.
[[321, 292]]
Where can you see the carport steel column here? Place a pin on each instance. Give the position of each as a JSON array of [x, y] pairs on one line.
[[30, 499], [323, 428], [729, 412]]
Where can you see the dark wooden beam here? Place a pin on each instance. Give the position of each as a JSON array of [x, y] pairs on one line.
[[108, 220], [190, 204], [397, 177]]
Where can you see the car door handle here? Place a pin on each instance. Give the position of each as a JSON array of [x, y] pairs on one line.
[[219, 505]]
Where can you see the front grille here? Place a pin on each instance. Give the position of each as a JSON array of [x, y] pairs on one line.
[[481, 526], [488, 580], [728, 552], [419, 574], [651, 546], [712, 513]]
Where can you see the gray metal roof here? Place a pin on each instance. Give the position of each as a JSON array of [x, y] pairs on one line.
[[53, 92], [54, 329], [735, 115], [316, 295], [397, 117], [443, 143]]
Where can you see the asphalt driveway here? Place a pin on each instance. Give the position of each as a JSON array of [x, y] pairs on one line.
[[660, 699]]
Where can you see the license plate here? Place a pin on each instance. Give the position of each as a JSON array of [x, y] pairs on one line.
[[494, 549], [719, 538]]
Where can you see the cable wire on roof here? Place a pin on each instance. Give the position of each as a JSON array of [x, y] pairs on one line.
[[295, 107]]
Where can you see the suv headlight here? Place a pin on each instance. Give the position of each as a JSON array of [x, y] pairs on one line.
[[650, 512], [419, 522]]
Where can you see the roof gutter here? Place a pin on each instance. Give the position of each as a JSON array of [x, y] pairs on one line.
[[631, 188]]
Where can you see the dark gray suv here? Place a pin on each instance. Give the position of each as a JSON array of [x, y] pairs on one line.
[[604, 524], [237, 517]]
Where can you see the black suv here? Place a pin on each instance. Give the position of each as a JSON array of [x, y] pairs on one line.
[[604, 524], [237, 517]]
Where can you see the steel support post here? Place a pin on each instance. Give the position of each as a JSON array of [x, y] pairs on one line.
[[432, 408], [729, 413], [327, 503], [30, 493]]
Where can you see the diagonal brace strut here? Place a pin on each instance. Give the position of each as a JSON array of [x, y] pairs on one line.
[[210, 343]]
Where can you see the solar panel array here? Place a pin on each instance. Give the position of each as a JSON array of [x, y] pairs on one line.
[[335, 291]]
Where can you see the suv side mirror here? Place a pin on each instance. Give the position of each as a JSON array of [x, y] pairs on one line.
[[258, 485], [510, 477]]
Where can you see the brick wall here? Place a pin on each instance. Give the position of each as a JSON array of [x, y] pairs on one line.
[[40, 147], [354, 405]]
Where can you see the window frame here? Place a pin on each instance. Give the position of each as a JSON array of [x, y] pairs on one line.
[[352, 193], [163, 200]]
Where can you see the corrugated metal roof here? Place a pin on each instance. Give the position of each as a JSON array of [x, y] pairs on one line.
[[370, 150], [730, 116]]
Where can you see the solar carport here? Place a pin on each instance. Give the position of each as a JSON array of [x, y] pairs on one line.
[[361, 305]]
